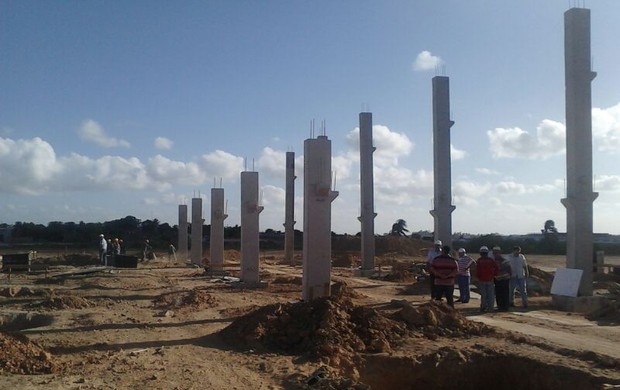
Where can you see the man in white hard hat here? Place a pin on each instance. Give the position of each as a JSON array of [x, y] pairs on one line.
[[432, 253]]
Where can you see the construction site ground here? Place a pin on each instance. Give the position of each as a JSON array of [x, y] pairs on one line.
[[167, 325]]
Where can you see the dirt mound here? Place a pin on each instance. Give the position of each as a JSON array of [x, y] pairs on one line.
[[539, 282], [437, 319], [19, 355], [401, 246], [401, 275], [296, 280], [421, 287], [331, 329], [345, 259], [66, 302], [194, 298]]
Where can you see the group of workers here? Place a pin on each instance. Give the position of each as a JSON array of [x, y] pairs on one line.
[[498, 276]]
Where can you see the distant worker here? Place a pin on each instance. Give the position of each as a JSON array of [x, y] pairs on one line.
[[117, 247], [432, 253], [445, 268], [464, 277], [502, 280], [147, 253], [103, 249], [486, 270], [172, 253], [520, 273]]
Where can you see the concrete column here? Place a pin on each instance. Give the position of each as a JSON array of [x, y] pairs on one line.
[[250, 211], [182, 243], [442, 170], [216, 240], [197, 222], [579, 187], [289, 210], [318, 197], [367, 217]]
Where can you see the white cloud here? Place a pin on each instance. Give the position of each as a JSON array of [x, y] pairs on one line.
[[607, 183], [487, 171], [92, 131], [222, 164], [272, 196], [457, 154], [550, 140], [28, 166], [31, 167], [272, 162], [169, 172], [163, 143], [390, 145], [400, 186], [426, 61], [606, 128]]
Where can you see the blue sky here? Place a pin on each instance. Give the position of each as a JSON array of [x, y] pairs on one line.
[[116, 108]]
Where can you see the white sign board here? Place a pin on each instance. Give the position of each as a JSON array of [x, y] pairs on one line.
[[566, 282]]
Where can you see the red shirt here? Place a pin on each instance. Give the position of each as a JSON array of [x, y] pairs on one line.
[[486, 269], [445, 268]]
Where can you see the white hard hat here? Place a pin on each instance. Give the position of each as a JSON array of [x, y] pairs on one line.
[[484, 249], [438, 242]]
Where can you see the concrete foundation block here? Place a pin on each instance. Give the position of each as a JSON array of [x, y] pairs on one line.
[[584, 304], [364, 273]]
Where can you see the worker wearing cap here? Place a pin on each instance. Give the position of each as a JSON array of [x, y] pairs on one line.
[[445, 268], [463, 278], [518, 266], [103, 249], [502, 280], [486, 270], [432, 253]]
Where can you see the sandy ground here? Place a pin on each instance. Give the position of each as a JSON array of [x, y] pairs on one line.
[[158, 327]]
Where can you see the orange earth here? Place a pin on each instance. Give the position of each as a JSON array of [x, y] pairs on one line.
[[169, 325]]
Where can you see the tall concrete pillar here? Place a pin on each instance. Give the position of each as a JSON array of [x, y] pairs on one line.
[[318, 197], [289, 210], [442, 170], [197, 222], [216, 240], [250, 211], [182, 242], [579, 187], [367, 217]]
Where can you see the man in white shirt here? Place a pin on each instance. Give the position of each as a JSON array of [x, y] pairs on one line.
[[520, 273]]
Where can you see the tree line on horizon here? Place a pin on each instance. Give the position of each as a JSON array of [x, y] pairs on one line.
[[134, 231]]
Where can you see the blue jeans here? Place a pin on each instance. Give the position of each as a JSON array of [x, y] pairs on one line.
[[521, 284], [463, 282], [487, 295]]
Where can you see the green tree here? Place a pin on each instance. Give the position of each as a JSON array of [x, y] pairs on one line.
[[399, 228]]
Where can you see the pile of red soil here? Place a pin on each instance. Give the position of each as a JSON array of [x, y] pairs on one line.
[[402, 276], [18, 355], [543, 281], [66, 302], [332, 329], [295, 280], [437, 319], [194, 298]]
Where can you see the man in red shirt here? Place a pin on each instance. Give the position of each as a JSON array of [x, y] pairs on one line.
[[445, 268], [486, 270]]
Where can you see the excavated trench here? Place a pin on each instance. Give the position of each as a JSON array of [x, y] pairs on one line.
[[20, 320], [451, 369]]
